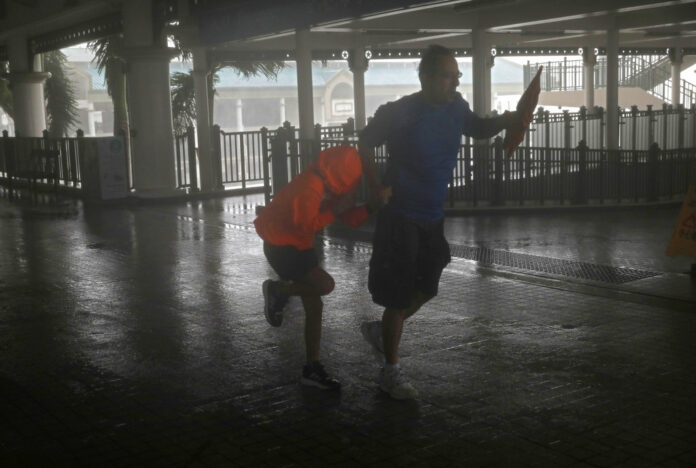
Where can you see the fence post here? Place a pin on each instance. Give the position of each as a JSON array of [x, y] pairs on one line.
[[348, 128], [600, 113], [664, 125], [580, 193], [3, 160], [80, 158], [217, 158], [652, 172], [498, 193], [289, 134], [279, 158], [651, 127], [191, 149], [680, 130], [693, 124], [468, 184], [583, 119], [242, 159], [265, 159], [634, 123], [316, 145]]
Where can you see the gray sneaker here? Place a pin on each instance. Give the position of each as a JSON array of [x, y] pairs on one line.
[[372, 332], [394, 383]]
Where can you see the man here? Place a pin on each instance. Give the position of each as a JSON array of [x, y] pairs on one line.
[[422, 132]]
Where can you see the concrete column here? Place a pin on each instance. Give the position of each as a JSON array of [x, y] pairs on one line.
[[26, 80], [305, 89], [282, 111], [676, 58], [149, 102], [612, 88], [481, 65], [358, 64], [589, 60], [203, 125], [239, 108]]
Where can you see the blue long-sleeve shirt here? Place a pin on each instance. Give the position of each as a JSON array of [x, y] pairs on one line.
[[423, 142]]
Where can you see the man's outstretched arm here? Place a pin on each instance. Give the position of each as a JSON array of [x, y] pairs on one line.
[[491, 126]]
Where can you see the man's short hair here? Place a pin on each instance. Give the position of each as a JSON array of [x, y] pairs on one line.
[[428, 63]]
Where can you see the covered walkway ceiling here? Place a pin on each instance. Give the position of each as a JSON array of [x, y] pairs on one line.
[[517, 26], [265, 28]]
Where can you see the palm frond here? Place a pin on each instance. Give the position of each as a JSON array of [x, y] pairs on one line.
[[183, 101], [61, 105], [107, 55], [248, 68]]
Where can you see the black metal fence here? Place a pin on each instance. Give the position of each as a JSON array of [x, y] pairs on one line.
[[532, 176], [40, 160], [651, 73], [554, 164], [670, 127]]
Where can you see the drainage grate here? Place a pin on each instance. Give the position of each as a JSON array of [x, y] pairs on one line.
[[359, 241], [555, 266], [570, 268]]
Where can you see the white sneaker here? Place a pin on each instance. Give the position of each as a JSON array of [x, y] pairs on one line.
[[394, 383], [372, 332]]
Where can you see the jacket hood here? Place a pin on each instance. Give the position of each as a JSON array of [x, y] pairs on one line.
[[341, 168]]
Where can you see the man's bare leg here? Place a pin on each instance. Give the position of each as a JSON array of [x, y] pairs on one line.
[[313, 307], [393, 325]]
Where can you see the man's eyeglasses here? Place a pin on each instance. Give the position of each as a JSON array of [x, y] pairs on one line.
[[450, 76]]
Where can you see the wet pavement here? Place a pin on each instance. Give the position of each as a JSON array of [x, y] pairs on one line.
[[134, 336]]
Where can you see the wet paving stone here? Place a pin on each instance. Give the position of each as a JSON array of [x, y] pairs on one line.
[[135, 337]]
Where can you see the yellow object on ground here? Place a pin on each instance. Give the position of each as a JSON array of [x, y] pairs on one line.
[[684, 236]]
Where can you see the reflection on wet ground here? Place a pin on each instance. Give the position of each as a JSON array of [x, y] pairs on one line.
[[134, 335]]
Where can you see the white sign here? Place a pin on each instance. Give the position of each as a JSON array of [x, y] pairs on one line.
[[342, 107]]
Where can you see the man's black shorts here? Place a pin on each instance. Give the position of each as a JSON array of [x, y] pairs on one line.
[[407, 256], [289, 262]]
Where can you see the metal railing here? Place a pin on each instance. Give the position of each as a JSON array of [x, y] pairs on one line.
[[533, 175], [41, 160], [554, 164], [651, 73]]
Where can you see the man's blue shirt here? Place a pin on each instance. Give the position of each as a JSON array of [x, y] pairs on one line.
[[423, 142]]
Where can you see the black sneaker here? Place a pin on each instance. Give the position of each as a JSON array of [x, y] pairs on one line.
[[314, 374], [272, 304]]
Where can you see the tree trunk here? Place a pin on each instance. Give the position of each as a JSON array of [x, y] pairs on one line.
[[118, 97]]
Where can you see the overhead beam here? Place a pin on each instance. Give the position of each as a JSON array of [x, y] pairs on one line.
[[647, 18]]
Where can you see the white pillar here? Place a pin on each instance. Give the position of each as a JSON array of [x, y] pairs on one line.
[[612, 88], [589, 60], [305, 91], [149, 104], [676, 58], [240, 115], [358, 64], [282, 111], [206, 162], [26, 80], [482, 61]]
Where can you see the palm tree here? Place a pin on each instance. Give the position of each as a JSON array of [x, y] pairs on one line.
[[108, 56], [61, 105], [183, 99]]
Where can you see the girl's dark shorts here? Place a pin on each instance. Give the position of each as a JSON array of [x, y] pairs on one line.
[[407, 256], [289, 262]]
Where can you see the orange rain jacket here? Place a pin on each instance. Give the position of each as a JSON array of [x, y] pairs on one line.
[[303, 207]]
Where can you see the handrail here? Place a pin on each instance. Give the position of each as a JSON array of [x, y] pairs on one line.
[[651, 74]]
